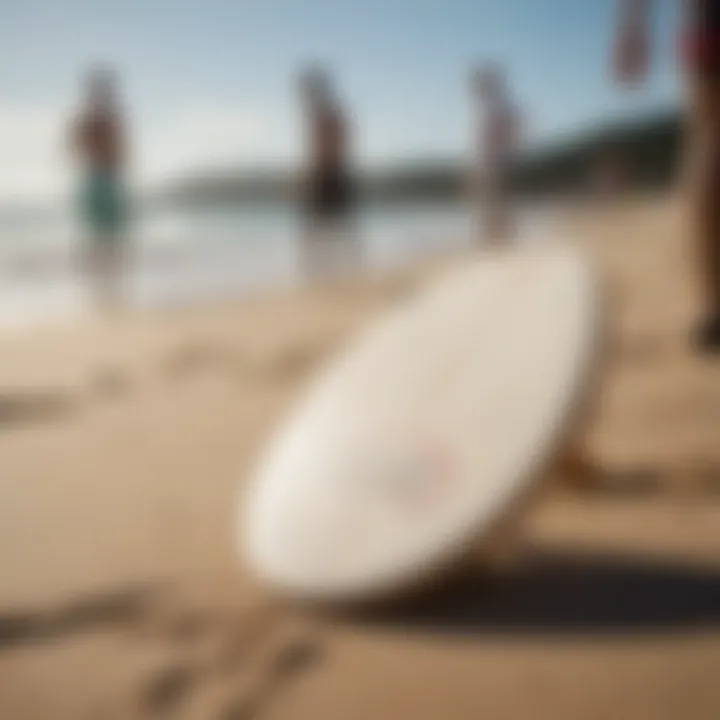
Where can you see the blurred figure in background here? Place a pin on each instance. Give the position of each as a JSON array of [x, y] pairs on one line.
[[701, 58], [327, 183], [98, 139], [497, 132]]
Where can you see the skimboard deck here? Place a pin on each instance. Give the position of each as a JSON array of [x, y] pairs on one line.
[[422, 434]]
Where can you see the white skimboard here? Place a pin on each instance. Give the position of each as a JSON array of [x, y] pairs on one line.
[[417, 439]]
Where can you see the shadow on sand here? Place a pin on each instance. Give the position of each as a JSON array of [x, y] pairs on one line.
[[564, 594], [121, 607], [643, 481]]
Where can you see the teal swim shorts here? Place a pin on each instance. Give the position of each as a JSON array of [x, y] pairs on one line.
[[103, 204]]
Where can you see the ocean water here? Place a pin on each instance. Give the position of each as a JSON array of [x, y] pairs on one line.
[[185, 255]]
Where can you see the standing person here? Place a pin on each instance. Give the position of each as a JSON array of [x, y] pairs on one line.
[[327, 183], [98, 140], [498, 126], [700, 48]]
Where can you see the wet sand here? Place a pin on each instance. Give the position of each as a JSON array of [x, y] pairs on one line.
[[123, 445]]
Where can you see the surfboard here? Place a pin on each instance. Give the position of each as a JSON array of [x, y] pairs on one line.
[[426, 429]]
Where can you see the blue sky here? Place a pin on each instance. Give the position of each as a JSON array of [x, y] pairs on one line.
[[210, 82]]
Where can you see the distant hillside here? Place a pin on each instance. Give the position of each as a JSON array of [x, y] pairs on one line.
[[418, 181], [649, 149]]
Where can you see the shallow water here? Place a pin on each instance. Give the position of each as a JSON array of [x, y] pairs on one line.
[[182, 255]]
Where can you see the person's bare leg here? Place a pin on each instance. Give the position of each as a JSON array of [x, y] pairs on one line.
[[95, 269], [351, 242], [107, 277], [109, 273], [310, 250], [501, 225], [490, 211], [498, 228], [116, 272], [704, 199]]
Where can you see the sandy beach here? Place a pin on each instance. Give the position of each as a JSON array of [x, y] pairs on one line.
[[123, 447]]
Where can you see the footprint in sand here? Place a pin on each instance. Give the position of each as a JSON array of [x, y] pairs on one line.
[[195, 357], [401, 290], [189, 358], [169, 689], [297, 361], [294, 656], [240, 708], [223, 663], [26, 407], [261, 661], [240, 639], [288, 363], [294, 361], [290, 656], [110, 382], [119, 610]]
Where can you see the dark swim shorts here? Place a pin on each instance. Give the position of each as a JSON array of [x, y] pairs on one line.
[[330, 195]]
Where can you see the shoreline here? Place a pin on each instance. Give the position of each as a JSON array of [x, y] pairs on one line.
[[184, 269]]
